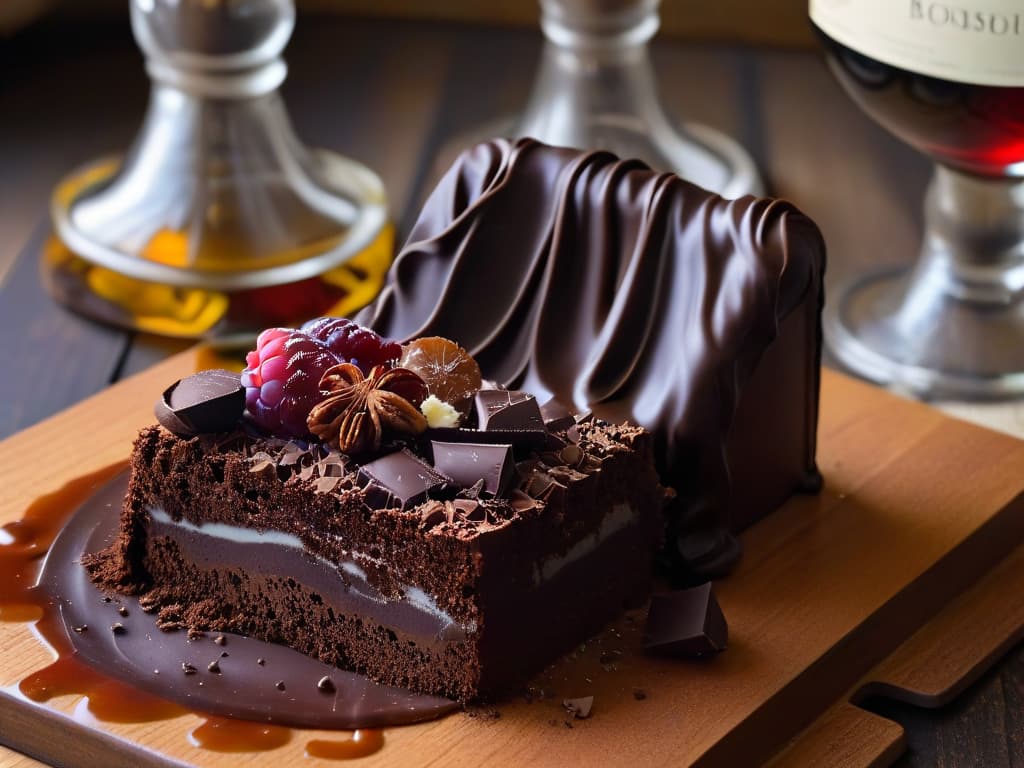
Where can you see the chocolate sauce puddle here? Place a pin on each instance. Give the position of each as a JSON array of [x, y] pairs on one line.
[[123, 642], [129, 671]]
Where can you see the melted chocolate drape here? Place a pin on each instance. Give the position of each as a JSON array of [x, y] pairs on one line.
[[614, 288]]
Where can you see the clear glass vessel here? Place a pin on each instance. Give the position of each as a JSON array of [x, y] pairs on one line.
[[595, 89], [218, 220]]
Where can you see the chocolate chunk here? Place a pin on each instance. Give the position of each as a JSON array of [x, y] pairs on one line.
[[522, 440], [123, 610], [325, 684], [579, 707], [279, 685], [214, 666], [468, 463], [220, 640], [79, 630], [188, 669], [208, 401], [506, 409], [117, 628], [401, 479], [686, 623], [262, 662], [556, 416]]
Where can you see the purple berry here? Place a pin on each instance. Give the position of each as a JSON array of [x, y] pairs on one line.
[[282, 380], [353, 342], [282, 375]]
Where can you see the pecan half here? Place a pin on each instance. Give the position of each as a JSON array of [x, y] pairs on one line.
[[359, 410]]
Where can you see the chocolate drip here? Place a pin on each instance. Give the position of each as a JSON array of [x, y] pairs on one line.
[[615, 289]]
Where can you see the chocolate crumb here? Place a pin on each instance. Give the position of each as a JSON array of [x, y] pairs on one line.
[[325, 684], [261, 662], [220, 640], [188, 669], [105, 599], [123, 610], [223, 654], [214, 666], [195, 634], [117, 628], [279, 685], [81, 629], [639, 694], [580, 707]]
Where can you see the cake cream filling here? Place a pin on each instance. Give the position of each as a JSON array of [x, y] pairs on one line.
[[448, 627], [358, 586], [622, 516]]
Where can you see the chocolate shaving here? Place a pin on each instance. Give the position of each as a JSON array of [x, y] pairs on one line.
[[325, 684]]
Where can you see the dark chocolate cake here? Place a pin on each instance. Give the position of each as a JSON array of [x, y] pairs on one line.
[[451, 560]]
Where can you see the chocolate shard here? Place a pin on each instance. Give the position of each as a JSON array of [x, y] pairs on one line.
[[401, 479], [686, 623], [468, 463], [557, 417], [580, 707], [507, 409], [522, 440], [208, 401]]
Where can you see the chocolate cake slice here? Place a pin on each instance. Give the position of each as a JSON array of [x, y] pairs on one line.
[[456, 561]]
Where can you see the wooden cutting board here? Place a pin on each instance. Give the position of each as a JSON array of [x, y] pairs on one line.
[[897, 578]]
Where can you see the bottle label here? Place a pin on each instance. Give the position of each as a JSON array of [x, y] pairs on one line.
[[968, 41]]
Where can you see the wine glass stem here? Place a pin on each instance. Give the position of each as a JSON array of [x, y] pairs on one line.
[[595, 73], [974, 236]]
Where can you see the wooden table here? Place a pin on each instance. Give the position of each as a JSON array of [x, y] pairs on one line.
[[391, 94]]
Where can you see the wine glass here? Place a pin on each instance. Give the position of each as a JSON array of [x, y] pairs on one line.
[[595, 89], [218, 221], [949, 81]]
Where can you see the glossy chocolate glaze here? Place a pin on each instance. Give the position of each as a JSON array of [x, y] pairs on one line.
[[619, 290], [239, 686]]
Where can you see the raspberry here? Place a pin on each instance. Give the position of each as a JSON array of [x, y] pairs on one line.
[[282, 380], [353, 342], [283, 373]]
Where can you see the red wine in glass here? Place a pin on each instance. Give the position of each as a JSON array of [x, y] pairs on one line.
[[977, 128], [946, 77]]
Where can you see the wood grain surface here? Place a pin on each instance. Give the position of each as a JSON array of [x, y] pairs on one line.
[[392, 94], [830, 586]]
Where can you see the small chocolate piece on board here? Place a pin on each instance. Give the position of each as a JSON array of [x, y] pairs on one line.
[[507, 409], [401, 479], [468, 463], [580, 707], [208, 401], [686, 623]]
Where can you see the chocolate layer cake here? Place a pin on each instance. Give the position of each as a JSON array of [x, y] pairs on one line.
[[454, 562]]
